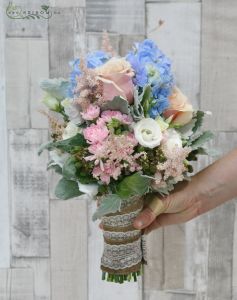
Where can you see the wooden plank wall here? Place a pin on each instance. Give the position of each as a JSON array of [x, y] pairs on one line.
[[50, 249]]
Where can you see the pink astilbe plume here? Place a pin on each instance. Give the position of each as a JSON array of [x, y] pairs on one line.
[[113, 156], [174, 165], [88, 87]]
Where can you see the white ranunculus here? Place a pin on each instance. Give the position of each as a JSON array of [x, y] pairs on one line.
[[51, 102], [173, 139], [148, 133], [72, 111], [70, 130], [89, 189]]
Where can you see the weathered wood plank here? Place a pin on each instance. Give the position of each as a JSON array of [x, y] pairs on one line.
[[26, 65], [220, 258], [69, 249], [219, 63], [68, 3], [94, 40], [27, 27], [174, 248], [125, 17], [4, 206], [41, 272], [169, 295], [16, 284], [171, 1], [210, 255], [68, 27], [97, 288], [179, 38], [29, 193], [154, 271]]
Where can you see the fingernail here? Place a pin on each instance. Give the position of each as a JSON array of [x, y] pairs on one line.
[[138, 224]]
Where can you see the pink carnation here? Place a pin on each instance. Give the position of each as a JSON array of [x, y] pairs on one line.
[[91, 113], [111, 114], [95, 133]]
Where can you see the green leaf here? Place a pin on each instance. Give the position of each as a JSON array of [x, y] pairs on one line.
[[65, 145], [199, 120], [55, 167], [57, 87], [67, 189], [118, 103], [69, 168], [146, 100], [137, 109], [110, 204], [132, 185], [203, 138]]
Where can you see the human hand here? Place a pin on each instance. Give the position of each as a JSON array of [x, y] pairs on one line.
[[179, 207]]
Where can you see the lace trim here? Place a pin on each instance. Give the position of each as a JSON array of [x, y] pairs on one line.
[[124, 220], [122, 256]]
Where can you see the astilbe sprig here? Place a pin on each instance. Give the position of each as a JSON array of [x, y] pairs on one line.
[[88, 86]]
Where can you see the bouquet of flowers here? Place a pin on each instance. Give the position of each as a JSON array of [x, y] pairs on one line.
[[121, 129]]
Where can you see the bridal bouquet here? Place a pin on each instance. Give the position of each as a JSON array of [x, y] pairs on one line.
[[120, 130]]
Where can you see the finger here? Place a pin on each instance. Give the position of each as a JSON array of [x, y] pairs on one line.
[[101, 226], [173, 218], [145, 218]]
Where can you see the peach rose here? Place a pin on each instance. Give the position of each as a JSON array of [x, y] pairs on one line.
[[116, 77], [180, 110], [115, 65]]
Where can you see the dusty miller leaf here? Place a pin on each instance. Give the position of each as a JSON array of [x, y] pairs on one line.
[[110, 204]]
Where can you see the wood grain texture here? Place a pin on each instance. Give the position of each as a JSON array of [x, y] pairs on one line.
[[68, 223], [220, 258], [174, 249], [169, 295], [26, 65], [125, 17], [219, 63], [94, 41], [16, 284], [69, 27], [172, 1], [4, 207], [27, 27], [179, 38], [68, 3], [154, 271], [29, 194], [99, 289], [41, 274]]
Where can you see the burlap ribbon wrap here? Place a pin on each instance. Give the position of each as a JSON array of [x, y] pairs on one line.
[[124, 246]]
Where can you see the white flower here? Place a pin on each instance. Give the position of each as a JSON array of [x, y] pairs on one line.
[[70, 130], [89, 189], [51, 102], [148, 133], [172, 139], [72, 111]]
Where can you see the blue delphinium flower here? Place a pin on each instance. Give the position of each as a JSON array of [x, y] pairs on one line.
[[152, 67], [94, 59]]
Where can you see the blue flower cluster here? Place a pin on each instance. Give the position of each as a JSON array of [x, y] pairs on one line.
[[152, 67], [94, 59]]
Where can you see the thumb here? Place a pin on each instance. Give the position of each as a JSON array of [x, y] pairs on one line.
[[146, 217]]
